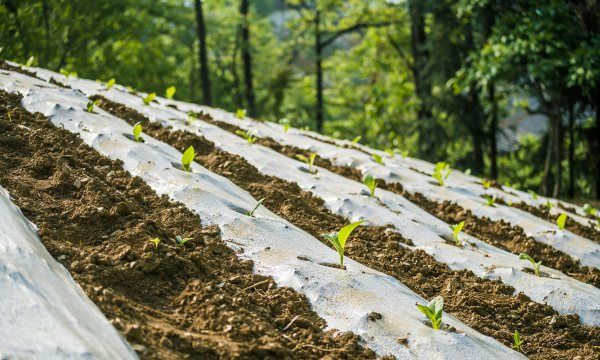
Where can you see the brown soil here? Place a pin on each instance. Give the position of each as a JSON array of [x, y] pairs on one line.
[[498, 233], [170, 302], [588, 232], [488, 306]]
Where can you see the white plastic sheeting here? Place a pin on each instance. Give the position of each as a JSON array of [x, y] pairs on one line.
[[342, 298], [43, 313], [349, 199], [460, 188]]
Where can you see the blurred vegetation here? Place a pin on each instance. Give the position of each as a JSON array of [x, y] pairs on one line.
[[433, 77]]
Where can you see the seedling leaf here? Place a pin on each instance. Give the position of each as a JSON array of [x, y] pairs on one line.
[[110, 83], [590, 210], [310, 160], [338, 239], [30, 61], [441, 172], [486, 183], [240, 113], [456, 229], [356, 139], [170, 92], [286, 124], [181, 241], [490, 200], [371, 183], [246, 135], [533, 194], [560, 222], [155, 241], [517, 341], [148, 99], [536, 265], [434, 311], [258, 204], [378, 159], [549, 205], [90, 106], [187, 158], [137, 131]]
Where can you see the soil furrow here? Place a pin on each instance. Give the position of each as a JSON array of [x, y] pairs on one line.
[[170, 301], [488, 306], [498, 233]]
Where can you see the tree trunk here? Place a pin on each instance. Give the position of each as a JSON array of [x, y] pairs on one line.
[[544, 186], [492, 132], [46, 19], [319, 70], [571, 190], [558, 149], [204, 72], [247, 59], [597, 144]]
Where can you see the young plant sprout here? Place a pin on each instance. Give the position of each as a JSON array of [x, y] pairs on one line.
[[456, 229], [30, 61], [517, 341], [137, 131], [536, 265], [561, 221], [434, 311], [356, 139], [246, 135], [533, 194], [286, 124], [240, 113], [258, 204], [67, 73], [148, 99], [390, 152], [187, 158], [170, 92], [441, 172], [371, 183], [338, 239], [110, 83], [378, 159], [309, 161], [486, 183], [590, 210], [90, 106], [181, 241], [490, 200], [468, 171], [155, 241], [549, 205], [191, 117]]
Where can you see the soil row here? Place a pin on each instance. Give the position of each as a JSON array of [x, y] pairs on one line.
[[498, 233], [488, 306], [170, 301]]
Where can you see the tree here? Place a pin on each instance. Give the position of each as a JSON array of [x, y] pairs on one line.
[[247, 58], [204, 72]]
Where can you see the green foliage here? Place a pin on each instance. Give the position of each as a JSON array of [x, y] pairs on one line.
[[371, 183], [240, 113], [258, 204], [434, 311], [155, 241], [188, 158], [67, 73], [246, 135], [441, 172], [486, 183], [489, 200], [536, 265], [170, 92], [110, 83], [517, 341], [90, 106], [181, 241], [137, 131], [561, 221], [338, 239], [30, 61], [549, 204], [456, 229], [356, 139], [310, 161], [286, 124], [533, 194], [149, 98], [590, 210], [377, 158]]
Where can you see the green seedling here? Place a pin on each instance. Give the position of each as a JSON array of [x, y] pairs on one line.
[[486, 183], [468, 171], [240, 113], [30, 61], [170, 92], [441, 172], [390, 152], [456, 229], [561, 221], [434, 311], [246, 135], [371, 183], [90, 106], [378, 159], [155, 241], [338, 239], [356, 139], [536, 265], [110, 83], [181, 241], [187, 158], [286, 124], [549, 205], [533, 194], [191, 117], [67, 73], [148, 99], [404, 153], [137, 131], [258, 204], [590, 210], [310, 161], [517, 341], [490, 200]]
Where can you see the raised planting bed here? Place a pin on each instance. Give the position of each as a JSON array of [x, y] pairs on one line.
[[372, 305]]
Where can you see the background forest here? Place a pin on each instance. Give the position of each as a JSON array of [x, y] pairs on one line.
[[507, 89]]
